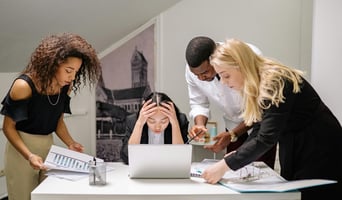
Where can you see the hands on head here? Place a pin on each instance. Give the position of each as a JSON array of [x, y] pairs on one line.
[[147, 110], [150, 108], [168, 109]]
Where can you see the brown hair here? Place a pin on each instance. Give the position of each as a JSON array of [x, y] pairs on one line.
[[53, 50]]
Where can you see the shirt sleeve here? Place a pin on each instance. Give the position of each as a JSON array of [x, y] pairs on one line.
[[17, 110], [199, 103]]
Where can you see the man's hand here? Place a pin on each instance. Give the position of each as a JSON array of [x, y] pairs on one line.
[[222, 141], [197, 131]]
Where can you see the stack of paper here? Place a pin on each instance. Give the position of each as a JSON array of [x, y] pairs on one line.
[[68, 164], [65, 159], [257, 177]]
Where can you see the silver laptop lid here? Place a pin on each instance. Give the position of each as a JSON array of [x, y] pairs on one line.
[[159, 160]]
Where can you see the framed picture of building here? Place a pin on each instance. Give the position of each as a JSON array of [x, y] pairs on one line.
[[127, 77]]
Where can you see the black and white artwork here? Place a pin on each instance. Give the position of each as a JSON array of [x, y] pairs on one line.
[[127, 76]]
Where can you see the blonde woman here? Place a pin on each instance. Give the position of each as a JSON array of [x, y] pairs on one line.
[[282, 107]]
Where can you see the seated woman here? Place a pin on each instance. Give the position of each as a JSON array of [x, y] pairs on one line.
[[159, 121]]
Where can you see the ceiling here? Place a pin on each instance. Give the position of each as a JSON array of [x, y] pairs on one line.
[[102, 22]]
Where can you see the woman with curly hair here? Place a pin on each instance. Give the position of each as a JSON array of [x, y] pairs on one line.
[[35, 104], [283, 108]]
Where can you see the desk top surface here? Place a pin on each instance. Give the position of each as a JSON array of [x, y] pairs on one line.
[[120, 185]]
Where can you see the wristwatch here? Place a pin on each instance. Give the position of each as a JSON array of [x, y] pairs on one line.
[[233, 137]]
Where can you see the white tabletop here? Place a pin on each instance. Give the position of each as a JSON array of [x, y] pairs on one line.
[[120, 186]]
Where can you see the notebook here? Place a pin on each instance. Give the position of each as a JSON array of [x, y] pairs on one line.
[[159, 161]]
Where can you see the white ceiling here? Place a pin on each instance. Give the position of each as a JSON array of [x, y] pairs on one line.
[[23, 23]]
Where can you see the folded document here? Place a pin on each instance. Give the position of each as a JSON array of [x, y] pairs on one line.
[[257, 177], [65, 159]]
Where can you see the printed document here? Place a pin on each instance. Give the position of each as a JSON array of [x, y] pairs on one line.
[[65, 159], [257, 177]]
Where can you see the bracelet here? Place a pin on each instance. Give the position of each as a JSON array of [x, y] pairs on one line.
[[233, 137]]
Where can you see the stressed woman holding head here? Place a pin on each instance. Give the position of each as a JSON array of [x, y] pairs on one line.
[[159, 122]]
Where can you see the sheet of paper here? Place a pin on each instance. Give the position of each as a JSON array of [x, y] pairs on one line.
[[72, 175], [257, 177], [65, 159], [285, 186], [67, 175]]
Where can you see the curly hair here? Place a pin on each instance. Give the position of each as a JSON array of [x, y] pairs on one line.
[[53, 50]]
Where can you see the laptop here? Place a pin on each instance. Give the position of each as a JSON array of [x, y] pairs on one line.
[[159, 160]]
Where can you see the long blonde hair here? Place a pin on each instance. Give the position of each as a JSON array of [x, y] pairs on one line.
[[264, 78]]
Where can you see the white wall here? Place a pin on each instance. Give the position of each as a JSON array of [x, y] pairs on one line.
[[326, 54], [281, 29], [6, 80]]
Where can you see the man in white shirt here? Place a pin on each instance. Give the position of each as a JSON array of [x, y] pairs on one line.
[[204, 87]]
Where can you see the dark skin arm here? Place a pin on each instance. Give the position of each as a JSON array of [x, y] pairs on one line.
[[223, 139]]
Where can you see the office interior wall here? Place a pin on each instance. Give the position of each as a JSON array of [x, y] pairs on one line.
[[326, 53], [277, 32], [275, 26], [281, 29], [6, 81]]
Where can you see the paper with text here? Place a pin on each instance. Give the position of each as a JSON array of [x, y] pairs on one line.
[[65, 159], [257, 177]]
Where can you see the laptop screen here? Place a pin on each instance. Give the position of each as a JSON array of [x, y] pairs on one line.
[[159, 160]]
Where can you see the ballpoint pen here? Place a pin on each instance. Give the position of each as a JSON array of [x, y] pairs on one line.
[[197, 134], [94, 170]]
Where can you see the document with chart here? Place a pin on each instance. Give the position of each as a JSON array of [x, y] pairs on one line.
[[257, 177], [65, 159]]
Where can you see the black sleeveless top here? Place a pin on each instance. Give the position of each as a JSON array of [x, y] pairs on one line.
[[37, 115]]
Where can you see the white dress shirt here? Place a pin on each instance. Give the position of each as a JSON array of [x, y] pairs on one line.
[[202, 93]]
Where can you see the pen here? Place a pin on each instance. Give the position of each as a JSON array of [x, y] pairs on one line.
[[194, 137], [94, 168]]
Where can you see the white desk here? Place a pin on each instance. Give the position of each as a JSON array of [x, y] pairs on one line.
[[120, 186]]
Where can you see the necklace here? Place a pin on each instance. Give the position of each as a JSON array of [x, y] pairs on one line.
[[53, 104]]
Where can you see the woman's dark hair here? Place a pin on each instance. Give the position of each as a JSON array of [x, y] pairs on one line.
[[158, 98], [53, 50]]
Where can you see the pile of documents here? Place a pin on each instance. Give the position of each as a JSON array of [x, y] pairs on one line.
[[67, 164], [257, 177]]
